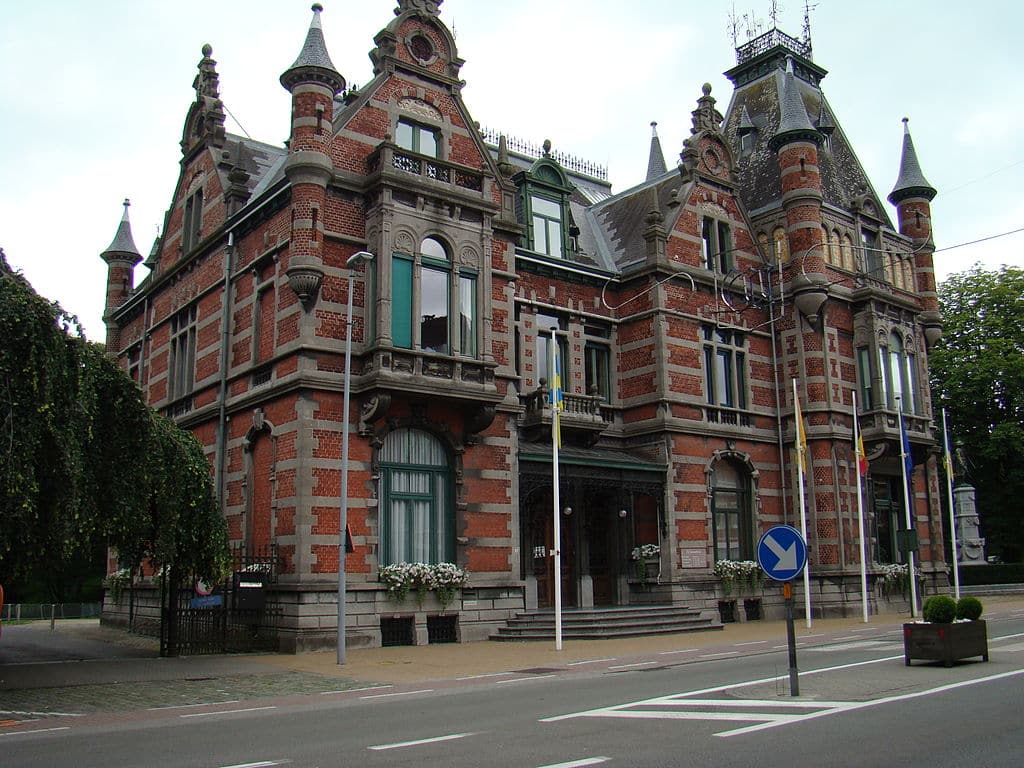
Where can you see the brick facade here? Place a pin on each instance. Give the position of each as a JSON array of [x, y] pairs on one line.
[[685, 319]]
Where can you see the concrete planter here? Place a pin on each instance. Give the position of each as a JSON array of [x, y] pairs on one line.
[[945, 642]]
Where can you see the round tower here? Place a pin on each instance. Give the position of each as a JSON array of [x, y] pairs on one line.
[[796, 144], [912, 197], [313, 83], [121, 257]]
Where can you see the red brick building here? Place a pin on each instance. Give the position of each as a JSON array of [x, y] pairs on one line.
[[684, 308]]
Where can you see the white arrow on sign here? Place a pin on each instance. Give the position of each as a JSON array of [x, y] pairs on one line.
[[787, 557]]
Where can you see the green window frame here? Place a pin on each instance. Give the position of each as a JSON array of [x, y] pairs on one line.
[[418, 138], [732, 519], [547, 217], [725, 367], [401, 301], [597, 375], [468, 342], [417, 516]]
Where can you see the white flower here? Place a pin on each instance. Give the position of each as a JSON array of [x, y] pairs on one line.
[[646, 551]]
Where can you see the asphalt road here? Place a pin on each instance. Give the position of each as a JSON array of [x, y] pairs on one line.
[[859, 706]]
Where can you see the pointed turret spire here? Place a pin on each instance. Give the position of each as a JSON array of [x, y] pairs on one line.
[[656, 160], [313, 62], [911, 182], [123, 245], [794, 124]]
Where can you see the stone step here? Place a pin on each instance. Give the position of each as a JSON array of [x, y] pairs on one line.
[[598, 623]]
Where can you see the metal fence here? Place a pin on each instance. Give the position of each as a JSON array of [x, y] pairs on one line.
[[49, 611]]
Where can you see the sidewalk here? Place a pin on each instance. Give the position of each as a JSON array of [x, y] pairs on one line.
[[125, 681], [411, 664]]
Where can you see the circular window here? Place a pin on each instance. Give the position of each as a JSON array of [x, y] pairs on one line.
[[421, 48]]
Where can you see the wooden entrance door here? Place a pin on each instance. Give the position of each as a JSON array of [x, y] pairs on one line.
[[543, 544]]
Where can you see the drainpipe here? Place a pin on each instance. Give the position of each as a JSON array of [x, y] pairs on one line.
[[225, 332]]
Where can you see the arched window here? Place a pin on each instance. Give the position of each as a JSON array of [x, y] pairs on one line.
[[416, 509], [781, 245], [899, 375], [848, 260], [732, 521], [440, 297], [908, 273], [826, 242]]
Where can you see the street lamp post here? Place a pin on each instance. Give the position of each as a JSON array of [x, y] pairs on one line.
[[350, 264]]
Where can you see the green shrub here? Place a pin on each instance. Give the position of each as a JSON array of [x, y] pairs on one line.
[[939, 609], [968, 608]]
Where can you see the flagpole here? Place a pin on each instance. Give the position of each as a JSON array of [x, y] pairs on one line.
[[859, 457], [952, 510], [904, 445], [802, 460], [556, 428]]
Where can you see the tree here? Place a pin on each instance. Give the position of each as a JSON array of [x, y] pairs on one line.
[[977, 374], [83, 461]]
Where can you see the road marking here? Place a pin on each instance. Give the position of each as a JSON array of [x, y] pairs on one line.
[[719, 655], [596, 661], [752, 642], [856, 645], [40, 714], [226, 712], [357, 690], [186, 706], [37, 730], [819, 634], [636, 664], [522, 679], [489, 674], [400, 693], [683, 650], [419, 742], [1007, 637], [603, 711], [261, 764], [876, 702], [578, 763], [1013, 648]]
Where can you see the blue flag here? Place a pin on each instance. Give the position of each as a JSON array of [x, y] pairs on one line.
[[908, 456]]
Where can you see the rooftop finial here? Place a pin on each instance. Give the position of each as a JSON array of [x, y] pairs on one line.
[[126, 203], [911, 181], [656, 159]]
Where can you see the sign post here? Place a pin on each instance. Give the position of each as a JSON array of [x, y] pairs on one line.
[[782, 555]]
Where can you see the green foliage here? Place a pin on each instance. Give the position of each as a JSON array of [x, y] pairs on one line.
[[83, 461], [968, 608], [939, 609], [977, 374], [999, 573]]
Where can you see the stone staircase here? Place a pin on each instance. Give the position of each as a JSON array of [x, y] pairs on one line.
[[606, 623]]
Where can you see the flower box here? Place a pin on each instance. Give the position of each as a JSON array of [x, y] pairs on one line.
[[945, 642]]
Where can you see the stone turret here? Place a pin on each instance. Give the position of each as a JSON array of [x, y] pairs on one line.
[[121, 257], [796, 143], [912, 197], [313, 83]]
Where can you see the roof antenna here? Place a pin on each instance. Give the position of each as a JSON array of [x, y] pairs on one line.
[[776, 7], [808, 7]]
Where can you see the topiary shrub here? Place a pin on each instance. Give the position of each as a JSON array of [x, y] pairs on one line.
[[939, 609], [968, 608]]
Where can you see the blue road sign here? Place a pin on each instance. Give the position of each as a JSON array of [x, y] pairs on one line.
[[782, 553]]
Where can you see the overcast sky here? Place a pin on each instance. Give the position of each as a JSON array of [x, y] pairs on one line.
[[93, 97]]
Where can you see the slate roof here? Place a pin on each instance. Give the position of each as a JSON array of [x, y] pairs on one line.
[[760, 103], [313, 55], [911, 180], [123, 243]]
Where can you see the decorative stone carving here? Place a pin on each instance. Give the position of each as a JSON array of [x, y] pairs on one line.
[[305, 275]]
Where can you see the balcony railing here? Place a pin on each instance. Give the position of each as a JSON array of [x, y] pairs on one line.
[[586, 414], [389, 155]]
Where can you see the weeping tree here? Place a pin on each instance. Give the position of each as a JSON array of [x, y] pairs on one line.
[[977, 372], [84, 462]]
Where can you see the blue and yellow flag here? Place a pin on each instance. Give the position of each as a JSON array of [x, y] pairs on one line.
[[555, 396]]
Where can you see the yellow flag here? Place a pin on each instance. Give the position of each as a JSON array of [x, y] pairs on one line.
[[801, 437]]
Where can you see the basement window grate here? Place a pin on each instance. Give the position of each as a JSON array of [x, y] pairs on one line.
[[442, 629], [397, 631]]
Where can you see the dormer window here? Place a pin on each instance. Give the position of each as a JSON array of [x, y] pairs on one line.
[[418, 138], [544, 208], [546, 226]]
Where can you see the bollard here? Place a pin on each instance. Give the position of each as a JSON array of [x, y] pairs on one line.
[[53, 616]]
